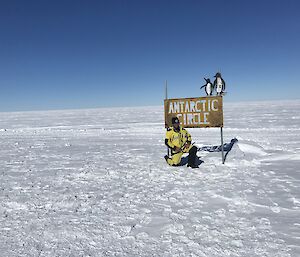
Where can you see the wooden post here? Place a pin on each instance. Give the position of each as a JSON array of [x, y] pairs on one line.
[[166, 89], [222, 146]]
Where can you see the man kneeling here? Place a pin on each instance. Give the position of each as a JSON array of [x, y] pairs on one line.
[[179, 141]]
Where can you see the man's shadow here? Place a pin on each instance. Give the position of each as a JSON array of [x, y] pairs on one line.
[[184, 161]]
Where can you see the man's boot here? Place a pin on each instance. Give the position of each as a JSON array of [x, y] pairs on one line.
[[192, 158]]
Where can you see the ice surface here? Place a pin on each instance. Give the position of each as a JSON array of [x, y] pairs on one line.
[[94, 183]]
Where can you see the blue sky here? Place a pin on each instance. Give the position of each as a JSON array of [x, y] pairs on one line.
[[62, 54]]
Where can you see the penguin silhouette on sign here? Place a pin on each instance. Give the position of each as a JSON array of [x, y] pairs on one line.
[[219, 84], [208, 87]]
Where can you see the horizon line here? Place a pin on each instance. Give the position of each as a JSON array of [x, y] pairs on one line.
[[140, 106]]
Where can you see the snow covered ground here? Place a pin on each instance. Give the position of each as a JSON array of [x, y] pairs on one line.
[[94, 183]]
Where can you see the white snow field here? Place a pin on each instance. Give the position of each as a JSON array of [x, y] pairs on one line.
[[95, 183]]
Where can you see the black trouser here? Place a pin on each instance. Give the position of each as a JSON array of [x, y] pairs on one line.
[[192, 156]]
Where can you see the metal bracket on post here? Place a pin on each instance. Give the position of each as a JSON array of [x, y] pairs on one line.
[[222, 146]]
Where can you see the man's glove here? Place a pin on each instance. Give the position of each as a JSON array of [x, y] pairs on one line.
[[187, 145], [176, 149]]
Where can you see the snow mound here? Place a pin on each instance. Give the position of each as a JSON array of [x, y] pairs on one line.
[[250, 147], [246, 150]]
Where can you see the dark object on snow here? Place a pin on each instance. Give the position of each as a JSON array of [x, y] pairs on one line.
[[218, 148]]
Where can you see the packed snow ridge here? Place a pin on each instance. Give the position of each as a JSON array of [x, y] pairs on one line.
[[95, 183]]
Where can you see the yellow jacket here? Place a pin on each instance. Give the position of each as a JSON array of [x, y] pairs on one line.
[[177, 138]]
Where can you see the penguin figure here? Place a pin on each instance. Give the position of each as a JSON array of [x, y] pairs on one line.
[[219, 84], [208, 87]]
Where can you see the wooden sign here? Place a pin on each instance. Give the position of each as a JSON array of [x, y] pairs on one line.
[[198, 112]]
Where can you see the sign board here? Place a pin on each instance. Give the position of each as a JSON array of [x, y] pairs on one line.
[[201, 112]]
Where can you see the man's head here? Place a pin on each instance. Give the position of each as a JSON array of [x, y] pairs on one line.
[[175, 122]]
